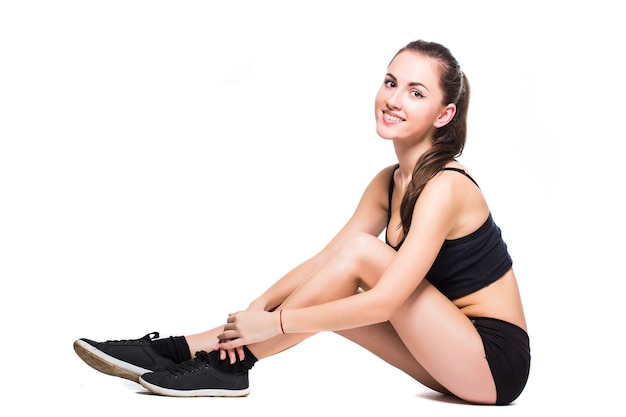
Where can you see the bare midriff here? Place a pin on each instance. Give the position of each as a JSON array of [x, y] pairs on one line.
[[500, 300]]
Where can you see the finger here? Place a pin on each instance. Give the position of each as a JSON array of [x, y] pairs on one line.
[[232, 344], [232, 356], [222, 354], [227, 335], [231, 317], [241, 353]]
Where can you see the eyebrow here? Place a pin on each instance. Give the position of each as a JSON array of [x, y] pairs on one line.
[[411, 84]]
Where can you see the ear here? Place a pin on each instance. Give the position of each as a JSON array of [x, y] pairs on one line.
[[445, 116]]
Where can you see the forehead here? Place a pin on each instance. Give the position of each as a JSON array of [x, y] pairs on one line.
[[410, 66]]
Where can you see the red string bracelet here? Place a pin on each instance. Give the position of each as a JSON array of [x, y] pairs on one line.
[[282, 329]]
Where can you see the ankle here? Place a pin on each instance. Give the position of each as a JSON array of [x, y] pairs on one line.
[[173, 347], [239, 366]]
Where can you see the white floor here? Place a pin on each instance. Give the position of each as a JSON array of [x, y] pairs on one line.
[[322, 376]]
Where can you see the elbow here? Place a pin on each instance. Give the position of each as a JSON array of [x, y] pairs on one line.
[[385, 314], [382, 308], [382, 311], [378, 306]]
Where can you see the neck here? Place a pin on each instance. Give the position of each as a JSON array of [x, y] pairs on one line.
[[407, 158]]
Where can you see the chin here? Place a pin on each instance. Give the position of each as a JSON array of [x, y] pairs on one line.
[[384, 133]]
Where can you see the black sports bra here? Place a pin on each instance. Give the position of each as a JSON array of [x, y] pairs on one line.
[[392, 186], [469, 263]]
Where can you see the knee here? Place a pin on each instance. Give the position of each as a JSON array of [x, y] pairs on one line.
[[355, 250]]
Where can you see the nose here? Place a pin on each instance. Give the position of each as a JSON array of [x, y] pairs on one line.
[[394, 100]]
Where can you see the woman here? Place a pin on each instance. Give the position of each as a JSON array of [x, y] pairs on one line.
[[438, 299]]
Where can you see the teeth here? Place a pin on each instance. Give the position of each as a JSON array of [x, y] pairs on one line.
[[392, 118]]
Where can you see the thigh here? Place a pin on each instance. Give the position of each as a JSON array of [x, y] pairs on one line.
[[382, 340], [446, 344]]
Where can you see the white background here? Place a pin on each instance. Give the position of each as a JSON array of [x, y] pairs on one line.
[[162, 163]]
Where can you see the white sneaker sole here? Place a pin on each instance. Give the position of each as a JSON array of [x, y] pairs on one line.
[[194, 393], [107, 364]]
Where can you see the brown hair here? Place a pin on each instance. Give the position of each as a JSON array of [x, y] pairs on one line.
[[449, 140]]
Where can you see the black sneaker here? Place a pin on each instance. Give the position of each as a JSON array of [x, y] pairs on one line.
[[197, 377], [127, 359]]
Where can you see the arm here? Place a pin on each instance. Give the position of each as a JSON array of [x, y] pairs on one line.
[[369, 217], [433, 218]]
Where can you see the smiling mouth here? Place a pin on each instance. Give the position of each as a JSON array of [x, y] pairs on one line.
[[390, 118]]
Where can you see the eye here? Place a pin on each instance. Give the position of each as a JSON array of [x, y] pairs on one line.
[[390, 83], [416, 94]]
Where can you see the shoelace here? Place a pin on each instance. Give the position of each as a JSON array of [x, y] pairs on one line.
[[201, 360]]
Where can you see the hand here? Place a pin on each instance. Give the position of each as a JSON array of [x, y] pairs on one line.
[[248, 327], [232, 354]]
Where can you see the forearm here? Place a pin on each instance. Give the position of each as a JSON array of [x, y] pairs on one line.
[[358, 310], [279, 291]]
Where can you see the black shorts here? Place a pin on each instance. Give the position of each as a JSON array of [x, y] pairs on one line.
[[507, 348]]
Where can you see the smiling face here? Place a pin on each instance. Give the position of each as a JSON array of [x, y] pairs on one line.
[[409, 103]]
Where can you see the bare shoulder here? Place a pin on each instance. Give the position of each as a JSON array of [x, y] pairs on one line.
[[455, 194], [438, 202], [370, 215], [456, 180], [371, 212], [457, 165], [379, 185], [385, 174]]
